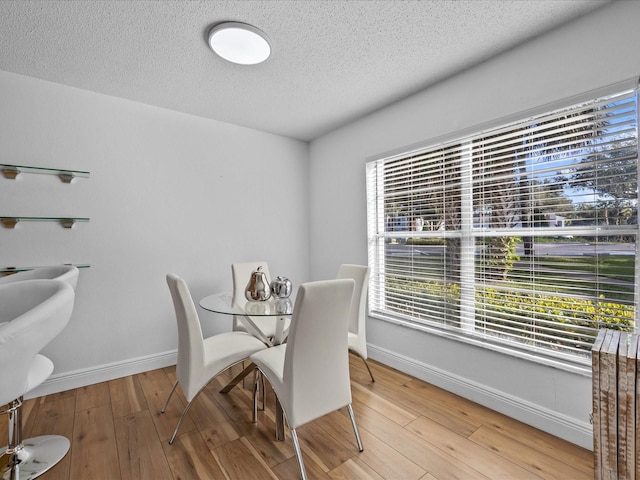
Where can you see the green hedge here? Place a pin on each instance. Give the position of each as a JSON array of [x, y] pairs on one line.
[[503, 311]]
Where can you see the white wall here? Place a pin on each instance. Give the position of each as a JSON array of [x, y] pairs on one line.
[[168, 192], [590, 53]]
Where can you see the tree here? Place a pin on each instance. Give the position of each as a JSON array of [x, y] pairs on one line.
[[609, 167]]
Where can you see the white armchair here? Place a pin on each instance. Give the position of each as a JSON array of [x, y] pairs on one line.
[[32, 313]]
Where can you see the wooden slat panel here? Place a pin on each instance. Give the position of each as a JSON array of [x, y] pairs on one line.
[[605, 399], [611, 360], [632, 380], [637, 417], [616, 410], [595, 391], [622, 406], [627, 351]]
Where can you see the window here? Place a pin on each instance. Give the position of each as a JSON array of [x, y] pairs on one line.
[[520, 237]]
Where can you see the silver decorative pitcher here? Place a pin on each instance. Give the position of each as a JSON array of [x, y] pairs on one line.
[[258, 289]]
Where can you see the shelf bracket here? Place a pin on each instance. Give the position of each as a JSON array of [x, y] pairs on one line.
[[67, 222], [66, 177], [10, 172], [9, 222]]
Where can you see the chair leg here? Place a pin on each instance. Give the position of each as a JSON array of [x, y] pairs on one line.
[[296, 446], [256, 388], [244, 378], [264, 391], [258, 383], [184, 413], [366, 364], [169, 397], [355, 427]]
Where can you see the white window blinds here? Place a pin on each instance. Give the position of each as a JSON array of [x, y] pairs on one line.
[[521, 236]]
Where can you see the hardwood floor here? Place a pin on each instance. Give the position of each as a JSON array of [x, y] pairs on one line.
[[410, 430]]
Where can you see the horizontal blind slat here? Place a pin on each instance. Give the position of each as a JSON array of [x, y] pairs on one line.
[[441, 220]]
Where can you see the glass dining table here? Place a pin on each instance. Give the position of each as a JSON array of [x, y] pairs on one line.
[[278, 308]]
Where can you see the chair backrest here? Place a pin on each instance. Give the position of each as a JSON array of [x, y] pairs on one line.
[[241, 273], [66, 273], [32, 313], [190, 340], [360, 274], [316, 365]]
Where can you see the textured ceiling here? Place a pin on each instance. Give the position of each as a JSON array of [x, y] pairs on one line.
[[332, 62]]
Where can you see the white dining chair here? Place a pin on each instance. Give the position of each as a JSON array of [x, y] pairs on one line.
[[32, 314], [357, 337], [67, 273], [310, 373], [200, 359], [240, 273]]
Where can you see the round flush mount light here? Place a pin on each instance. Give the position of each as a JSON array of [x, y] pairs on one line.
[[239, 43]]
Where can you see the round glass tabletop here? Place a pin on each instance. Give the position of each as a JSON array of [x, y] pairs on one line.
[[223, 303]]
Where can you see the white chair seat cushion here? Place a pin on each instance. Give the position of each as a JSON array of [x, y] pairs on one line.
[[221, 351], [40, 369], [271, 362]]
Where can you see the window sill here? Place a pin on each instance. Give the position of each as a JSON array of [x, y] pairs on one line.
[[454, 334]]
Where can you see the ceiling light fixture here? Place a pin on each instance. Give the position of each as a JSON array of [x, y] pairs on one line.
[[239, 43]]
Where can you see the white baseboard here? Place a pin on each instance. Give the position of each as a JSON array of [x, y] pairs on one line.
[[102, 373], [579, 433], [557, 424]]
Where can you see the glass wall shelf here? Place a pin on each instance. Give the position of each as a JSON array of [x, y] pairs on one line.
[[66, 176], [66, 222], [10, 270]]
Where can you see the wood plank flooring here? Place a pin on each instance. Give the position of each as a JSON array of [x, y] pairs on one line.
[[410, 430]]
